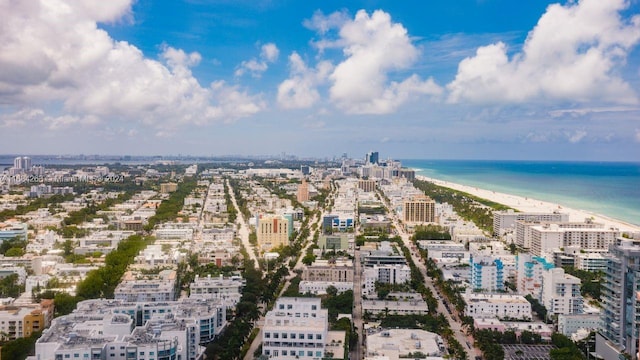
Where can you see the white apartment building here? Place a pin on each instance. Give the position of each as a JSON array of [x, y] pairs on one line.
[[154, 255], [561, 293], [320, 287], [147, 288], [591, 262], [224, 235], [404, 343], [570, 324], [296, 328], [228, 290], [387, 274], [529, 270], [504, 221], [523, 229], [546, 238], [501, 306], [174, 233], [111, 329], [445, 250], [487, 273]]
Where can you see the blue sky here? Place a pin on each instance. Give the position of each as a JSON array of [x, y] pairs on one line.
[[483, 79]]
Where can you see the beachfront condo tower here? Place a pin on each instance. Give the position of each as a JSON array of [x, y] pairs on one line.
[[620, 301]]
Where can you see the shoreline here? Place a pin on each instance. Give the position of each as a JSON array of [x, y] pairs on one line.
[[525, 204]]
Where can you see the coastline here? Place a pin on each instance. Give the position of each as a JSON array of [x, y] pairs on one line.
[[526, 204]]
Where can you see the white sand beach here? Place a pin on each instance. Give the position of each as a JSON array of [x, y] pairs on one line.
[[532, 205]]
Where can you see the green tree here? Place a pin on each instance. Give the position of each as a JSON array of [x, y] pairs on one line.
[[20, 348], [14, 252], [64, 303], [308, 259]]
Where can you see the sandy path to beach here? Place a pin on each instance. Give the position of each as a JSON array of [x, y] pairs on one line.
[[533, 205]]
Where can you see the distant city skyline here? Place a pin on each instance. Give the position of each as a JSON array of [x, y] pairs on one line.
[[477, 79]]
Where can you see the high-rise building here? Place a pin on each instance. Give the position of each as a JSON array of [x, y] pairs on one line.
[[620, 301], [272, 232], [506, 220], [22, 162], [561, 293], [419, 209], [303, 191], [546, 238], [372, 157]]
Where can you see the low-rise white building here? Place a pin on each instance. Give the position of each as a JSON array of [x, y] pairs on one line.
[[113, 329], [386, 274], [570, 324], [296, 328], [147, 288], [445, 251], [320, 287], [402, 304], [395, 344], [502, 306], [228, 290]]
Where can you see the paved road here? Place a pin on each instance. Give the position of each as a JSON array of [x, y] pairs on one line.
[[356, 354], [243, 232], [260, 322], [456, 326]]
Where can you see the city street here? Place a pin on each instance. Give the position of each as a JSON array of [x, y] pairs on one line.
[[243, 232], [456, 325]]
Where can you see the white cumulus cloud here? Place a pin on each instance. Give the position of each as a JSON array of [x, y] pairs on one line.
[[300, 89], [374, 47], [570, 54], [268, 54], [54, 57]]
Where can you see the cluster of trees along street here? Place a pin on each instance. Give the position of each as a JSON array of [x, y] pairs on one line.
[[257, 290], [468, 206], [240, 200], [232, 213], [417, 282], [169, 209], [34, 204], [89, 212], [100, 283]]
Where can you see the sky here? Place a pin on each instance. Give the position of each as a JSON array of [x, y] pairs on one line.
[[438, 79]]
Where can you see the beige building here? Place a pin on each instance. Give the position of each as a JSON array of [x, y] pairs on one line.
[[419, 209], [303, 191], [323, 270], [272, 232], [168, 187], [22, 321], [367, 185]]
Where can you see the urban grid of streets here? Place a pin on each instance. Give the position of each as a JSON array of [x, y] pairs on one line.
[[358, 353]]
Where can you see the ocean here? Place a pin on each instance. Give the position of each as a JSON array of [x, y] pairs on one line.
[[608, 188]]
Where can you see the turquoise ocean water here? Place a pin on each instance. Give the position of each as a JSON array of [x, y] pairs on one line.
[[607, 188]]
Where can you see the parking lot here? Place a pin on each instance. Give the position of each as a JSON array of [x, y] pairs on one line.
[[527, 352]]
